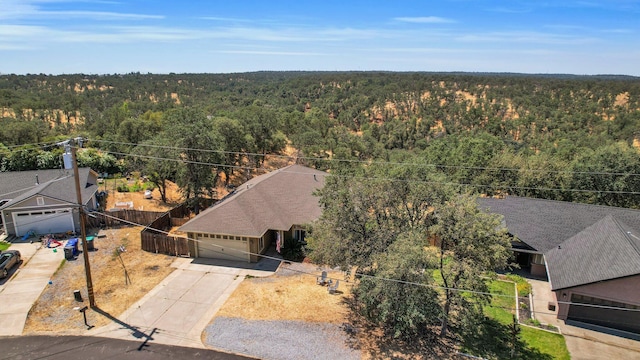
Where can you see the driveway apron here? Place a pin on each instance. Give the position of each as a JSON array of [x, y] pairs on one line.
[[24, 286], [178, 309], [582, 343]]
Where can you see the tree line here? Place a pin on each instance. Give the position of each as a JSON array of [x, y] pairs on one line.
[[565, 137]]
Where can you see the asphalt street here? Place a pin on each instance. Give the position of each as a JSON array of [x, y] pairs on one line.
[[95, 348]]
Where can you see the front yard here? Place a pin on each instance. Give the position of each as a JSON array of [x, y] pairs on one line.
[[502, 310], [284, 316], [114, 289]]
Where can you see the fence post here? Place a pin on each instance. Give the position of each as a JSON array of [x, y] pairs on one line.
[[175, 243], [155, 242]]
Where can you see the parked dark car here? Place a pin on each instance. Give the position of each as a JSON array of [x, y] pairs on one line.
[[8, 259]]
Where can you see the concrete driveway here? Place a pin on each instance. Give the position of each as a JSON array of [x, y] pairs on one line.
[[178, 309], [582, 343], [25, 284]]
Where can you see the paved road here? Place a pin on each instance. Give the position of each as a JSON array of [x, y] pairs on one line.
[[582, 344], [95, 348], [178, 309], [25, 284]]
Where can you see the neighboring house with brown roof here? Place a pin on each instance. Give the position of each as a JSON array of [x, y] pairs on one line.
[[251, 218], [44, 201], [589, 253]]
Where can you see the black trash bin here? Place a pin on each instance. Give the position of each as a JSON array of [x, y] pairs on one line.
[[68, 252], [90, 243]]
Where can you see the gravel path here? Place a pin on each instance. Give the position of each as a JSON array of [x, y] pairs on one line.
[[279, 340]]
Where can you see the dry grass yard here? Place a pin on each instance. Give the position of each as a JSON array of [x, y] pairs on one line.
[[53, 312], [288, 295]]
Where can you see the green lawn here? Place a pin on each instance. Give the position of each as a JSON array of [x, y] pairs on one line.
[[544, 341], [500, 305], [4, 245]]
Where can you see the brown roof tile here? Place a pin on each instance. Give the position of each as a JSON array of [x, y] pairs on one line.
[[276, 201]]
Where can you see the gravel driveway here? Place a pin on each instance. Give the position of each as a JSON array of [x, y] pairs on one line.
[[279, 340]]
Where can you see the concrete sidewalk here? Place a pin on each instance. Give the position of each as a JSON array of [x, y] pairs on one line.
[[178, 309], [22, 289]]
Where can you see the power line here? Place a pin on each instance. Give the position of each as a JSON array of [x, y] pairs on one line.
[[464, 167], [356, 273], [279, 259], [499, 187]]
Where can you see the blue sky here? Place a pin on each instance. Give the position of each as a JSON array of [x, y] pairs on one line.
[[161, 36]]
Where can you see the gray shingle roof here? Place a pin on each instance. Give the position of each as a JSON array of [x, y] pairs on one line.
[[544, 224], [56, 183], [608, 249], [276, 200]]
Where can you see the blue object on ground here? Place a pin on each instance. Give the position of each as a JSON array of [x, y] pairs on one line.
[[73, 242], [29, 234]]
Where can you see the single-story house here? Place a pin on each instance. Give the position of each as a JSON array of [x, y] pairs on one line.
[[44, 201], [269, 208], [589, 253]]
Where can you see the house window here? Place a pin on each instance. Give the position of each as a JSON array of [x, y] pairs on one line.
[[537, 259], [261, 243], [40, 200]]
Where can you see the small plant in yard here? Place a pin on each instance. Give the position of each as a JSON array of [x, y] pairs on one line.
[[524, 288], [533, 322]]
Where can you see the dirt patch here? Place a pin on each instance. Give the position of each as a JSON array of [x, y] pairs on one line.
[[288, 296], [293, 295], [174, 197], [53, 311]]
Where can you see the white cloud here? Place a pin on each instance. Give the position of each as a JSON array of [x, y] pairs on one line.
[[526, 37], [502, 9], [31, 9], [95, 15], [275, 53], [225, 19], [618, 31], [425, 20]]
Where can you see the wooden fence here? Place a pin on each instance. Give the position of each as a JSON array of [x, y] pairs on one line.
[[151, 239], [164, 244], [160, 243], [134, 216]]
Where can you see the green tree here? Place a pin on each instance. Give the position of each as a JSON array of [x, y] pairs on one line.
[[157, 159], [368, 208], [611, 172], [407, 307], [200, 147], [471, 245]]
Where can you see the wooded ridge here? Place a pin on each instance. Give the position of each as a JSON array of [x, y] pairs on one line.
[[555, 136]]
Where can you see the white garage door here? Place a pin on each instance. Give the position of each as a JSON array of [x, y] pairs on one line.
[[223, 249], [43, 222]]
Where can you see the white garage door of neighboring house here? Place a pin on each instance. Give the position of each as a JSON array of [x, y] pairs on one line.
[[43, 221], [223, 249]]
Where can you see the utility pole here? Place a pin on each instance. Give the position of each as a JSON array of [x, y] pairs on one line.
[[83, 231]]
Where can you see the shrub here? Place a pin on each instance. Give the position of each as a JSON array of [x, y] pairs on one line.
[[524, 288]]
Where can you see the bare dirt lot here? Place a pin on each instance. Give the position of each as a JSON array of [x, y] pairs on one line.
[[174, 197], [288, 295], [114, 293]]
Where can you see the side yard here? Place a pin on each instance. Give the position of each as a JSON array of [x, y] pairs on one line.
[[502, 310]]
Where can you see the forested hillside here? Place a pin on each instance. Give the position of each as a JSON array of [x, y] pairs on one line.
[[559, 137]]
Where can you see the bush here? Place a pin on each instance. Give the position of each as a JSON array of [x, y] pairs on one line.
[[524, 288], [122, 188]]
